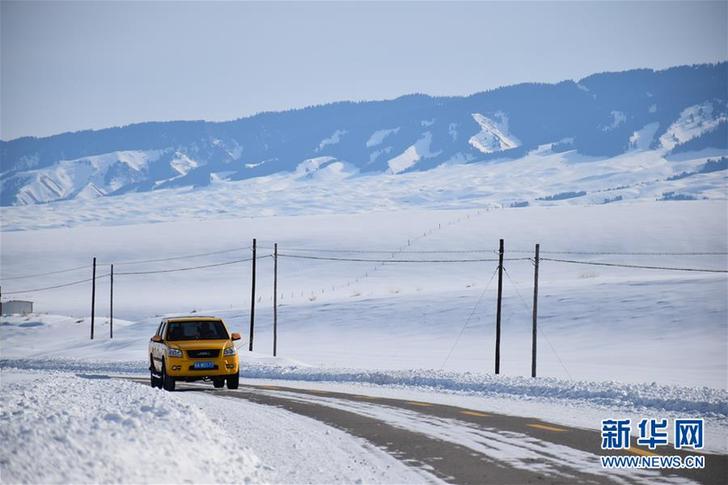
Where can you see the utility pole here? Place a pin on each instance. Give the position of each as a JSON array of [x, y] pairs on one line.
[[535, 312], [275, 299], [252, 303], [498, 308], [93, 298], [111, 304]]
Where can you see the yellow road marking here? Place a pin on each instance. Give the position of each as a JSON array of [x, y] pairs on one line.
[[547, 428], [475, 413], [423, 404], [641, 452]]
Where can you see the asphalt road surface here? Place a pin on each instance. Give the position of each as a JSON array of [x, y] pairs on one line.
[[456, 460]]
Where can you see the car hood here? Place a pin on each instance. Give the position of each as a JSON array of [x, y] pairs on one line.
[[197, 344]]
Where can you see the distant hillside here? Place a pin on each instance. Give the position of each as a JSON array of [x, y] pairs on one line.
[[674, 110]]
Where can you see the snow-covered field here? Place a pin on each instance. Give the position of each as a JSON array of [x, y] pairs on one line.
[[596, 323]]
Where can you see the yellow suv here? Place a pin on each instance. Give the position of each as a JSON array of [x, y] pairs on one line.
[[191, 349]]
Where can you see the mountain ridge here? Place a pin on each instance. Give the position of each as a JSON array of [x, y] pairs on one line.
[[599, 115]]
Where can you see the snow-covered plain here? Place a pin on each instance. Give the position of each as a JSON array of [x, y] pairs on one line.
[[597, 323]]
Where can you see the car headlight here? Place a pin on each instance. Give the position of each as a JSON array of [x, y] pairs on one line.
[[174, 353], [229, 351]]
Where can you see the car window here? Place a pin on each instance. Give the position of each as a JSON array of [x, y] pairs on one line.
[[163, 330], [192, 330], [159, 328]]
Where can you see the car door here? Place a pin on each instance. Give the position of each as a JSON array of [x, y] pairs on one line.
[[158, 348]]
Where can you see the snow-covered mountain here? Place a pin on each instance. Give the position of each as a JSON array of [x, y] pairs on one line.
[[604, 115]]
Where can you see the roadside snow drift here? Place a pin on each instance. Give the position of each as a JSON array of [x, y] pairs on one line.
[[58, 427], [66, 429]]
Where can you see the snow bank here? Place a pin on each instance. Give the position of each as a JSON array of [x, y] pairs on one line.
[[91, 430], [701, 401], [704, 401]]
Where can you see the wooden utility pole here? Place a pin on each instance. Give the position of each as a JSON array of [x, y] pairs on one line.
[[252, 303], [93, 298], [535, 312], [275, 299], [111, 304], [498, 308]]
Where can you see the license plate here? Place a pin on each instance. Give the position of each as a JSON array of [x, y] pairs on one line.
[[204, 365]]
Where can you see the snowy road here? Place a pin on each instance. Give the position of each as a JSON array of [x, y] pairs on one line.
[[461, 445]]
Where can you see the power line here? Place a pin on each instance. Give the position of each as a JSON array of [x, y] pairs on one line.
[[637, 266], [187, 256], [78, 282], [365, 260], [617, 253], [524, 251], [63, 285], [189, 268], [385, 251], [467, 321], [5, 278], [122, 263]]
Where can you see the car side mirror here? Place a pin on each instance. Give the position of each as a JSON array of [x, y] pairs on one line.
[[235, 336], [156, 338]]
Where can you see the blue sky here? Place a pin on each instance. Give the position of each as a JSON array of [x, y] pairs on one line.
[[70, 66]]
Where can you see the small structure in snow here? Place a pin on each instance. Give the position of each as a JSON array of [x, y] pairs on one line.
[[14, 307]]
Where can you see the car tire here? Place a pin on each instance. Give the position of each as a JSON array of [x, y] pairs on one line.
[[154, 380], [233, 381], [168, 381], [218, 383]]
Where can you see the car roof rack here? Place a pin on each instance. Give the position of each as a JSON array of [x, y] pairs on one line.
[[192, 317]]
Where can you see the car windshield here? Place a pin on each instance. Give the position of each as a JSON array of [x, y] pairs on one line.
[[196, 331]]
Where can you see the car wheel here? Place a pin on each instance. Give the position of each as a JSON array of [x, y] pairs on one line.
[[233, 381], [155, 381], [167, 380], [218, 383]]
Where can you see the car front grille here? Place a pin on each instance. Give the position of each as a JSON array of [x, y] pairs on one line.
[[203, 353]]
